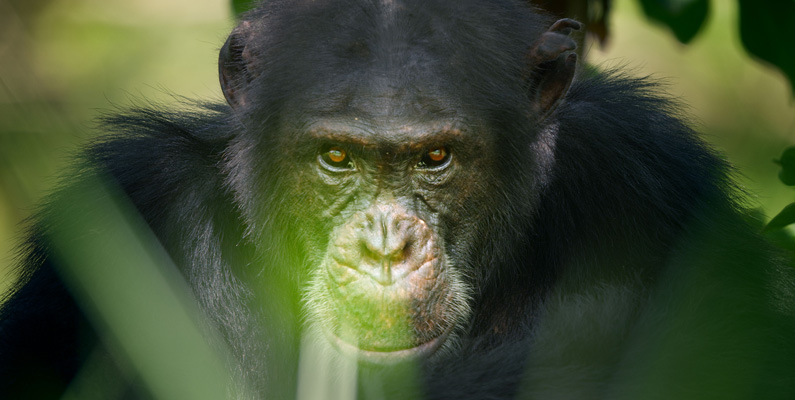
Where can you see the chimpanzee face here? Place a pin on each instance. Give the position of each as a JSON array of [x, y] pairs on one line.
[[391, 164], [383, 203]]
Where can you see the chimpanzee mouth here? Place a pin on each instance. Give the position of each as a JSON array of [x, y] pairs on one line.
[[388, 357]]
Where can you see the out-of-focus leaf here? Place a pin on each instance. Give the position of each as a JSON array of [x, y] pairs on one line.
[[131, 302], [767, 29], [787, 163], [599, 11], [784, 218], [241, 6], [684, 17]]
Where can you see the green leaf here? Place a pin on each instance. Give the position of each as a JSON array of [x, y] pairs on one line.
[[684, 17], [784, 218], [767, 29], [241, 6], [787, 163]]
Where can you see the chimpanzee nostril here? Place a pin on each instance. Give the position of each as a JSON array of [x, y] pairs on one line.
[[386, 244], [405, 252], [384, 238]]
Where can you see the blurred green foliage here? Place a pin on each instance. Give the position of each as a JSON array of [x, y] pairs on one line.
[[684, 17], [132, 302], [787, 163], [241, 6], [787, 177], [63, 62], [766, 26]]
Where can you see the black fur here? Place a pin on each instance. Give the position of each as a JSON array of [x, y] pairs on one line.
[[612, 259]]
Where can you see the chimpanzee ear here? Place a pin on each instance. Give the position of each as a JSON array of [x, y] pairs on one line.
[[234, 64], [551, 63]]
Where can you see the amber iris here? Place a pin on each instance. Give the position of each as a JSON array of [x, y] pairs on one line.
[[438, 154], [436, 158], [336, 154]]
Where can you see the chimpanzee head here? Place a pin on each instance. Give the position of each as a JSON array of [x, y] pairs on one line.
[[399, 147]]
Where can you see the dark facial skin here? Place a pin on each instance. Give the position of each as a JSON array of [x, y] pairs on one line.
[[391, 193]]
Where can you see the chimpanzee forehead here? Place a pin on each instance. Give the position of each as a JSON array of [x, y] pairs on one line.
[[379, 99], [365, 54]]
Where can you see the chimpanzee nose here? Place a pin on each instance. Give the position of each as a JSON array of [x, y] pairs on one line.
[[388, 241]]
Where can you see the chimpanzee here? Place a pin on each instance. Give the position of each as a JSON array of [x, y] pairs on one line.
[[434, 192]]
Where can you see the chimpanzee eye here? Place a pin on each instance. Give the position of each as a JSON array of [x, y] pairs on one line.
[[335, 159], [435, 158]]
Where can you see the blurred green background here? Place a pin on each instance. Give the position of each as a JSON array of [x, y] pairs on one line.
[[62, 62]]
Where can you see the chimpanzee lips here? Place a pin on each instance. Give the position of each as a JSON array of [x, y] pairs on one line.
[[388, 356]]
